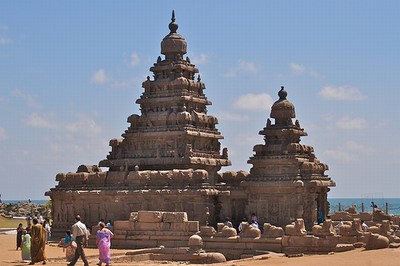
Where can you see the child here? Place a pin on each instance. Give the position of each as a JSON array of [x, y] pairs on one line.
[[26, 246], [69, 246]]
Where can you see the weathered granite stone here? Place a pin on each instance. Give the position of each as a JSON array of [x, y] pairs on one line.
[[271, 231], [344, 247], [326, 229], [249, 231], [296, 228], [353, 229], [225, 231], [376, 241], [174, 217]]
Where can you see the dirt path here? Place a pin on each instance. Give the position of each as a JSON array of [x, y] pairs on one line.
[[384, 257]]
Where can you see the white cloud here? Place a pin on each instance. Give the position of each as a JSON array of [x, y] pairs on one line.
[[28, 98], [232, 117], [249, 67], [134, 60], [242, 67], [100, 77], [200, 59], [351, 123], [3, 134], [250, 101], [39, 121], [341, 156], [349, 152], [4, 41], [297, 68], [341, 93], [133, 82], [81, 124]]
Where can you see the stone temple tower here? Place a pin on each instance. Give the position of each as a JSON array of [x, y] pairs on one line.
[[174, 130], [286, 181], [166, 160]]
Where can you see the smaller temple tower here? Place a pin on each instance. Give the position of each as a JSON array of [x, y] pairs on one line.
[[287, 181]]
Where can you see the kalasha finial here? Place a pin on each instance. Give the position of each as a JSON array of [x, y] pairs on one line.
[[173, 26], [282, 94]]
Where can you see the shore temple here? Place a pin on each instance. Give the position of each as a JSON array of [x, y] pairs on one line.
[[170, 157]]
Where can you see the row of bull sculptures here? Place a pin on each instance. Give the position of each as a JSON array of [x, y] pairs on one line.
[[379, 235]]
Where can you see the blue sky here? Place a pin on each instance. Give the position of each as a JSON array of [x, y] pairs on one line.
[[71, 72]]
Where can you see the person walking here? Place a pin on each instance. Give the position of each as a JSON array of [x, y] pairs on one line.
[[19, 235], [38, 243], [79, 235], [103, 242], [47, 228]]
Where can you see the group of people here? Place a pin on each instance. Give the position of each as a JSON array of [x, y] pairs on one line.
[[253, 222], [75, 241], [364, 226], [32, 239]]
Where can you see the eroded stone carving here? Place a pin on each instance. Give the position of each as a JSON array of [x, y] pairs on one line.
[[325, 229], [249, 231], [296, 228], [272, 231], [225, 231]]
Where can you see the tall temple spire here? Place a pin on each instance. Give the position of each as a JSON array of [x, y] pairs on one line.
[[173, 26], [173, 46]]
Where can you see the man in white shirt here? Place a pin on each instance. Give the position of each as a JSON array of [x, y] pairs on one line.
[[80, 235]]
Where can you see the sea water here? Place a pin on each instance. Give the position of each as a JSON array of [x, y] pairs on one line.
[[393, 204]]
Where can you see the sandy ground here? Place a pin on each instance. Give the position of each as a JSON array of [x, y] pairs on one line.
[[359, 257]]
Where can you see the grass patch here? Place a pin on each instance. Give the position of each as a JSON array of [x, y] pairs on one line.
[[11, 223]]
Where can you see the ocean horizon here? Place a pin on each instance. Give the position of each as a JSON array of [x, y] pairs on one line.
[[393, 204]]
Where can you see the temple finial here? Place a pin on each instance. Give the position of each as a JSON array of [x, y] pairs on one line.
[[282, 94], [173, 26]]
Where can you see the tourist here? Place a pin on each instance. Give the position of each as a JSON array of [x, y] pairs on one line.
[[109, 223], [240, 225], [340, 224], [28, 221], [254, 224], [38, 243], [80, 236], [253, 218], [40, 219], [103, 242], [69, 246], [364, 226], [28, 229], [26, 246], [101, 221], [47, 228], [321, 217], [19, 235], [228, 222]]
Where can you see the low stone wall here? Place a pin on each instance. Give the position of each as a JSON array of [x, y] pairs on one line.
[[153, 229]]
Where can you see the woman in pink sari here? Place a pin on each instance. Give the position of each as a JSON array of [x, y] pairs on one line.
[[103, 242]]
